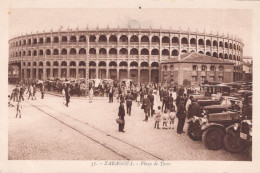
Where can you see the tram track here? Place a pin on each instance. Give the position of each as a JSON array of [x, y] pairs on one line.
[[105, 143]]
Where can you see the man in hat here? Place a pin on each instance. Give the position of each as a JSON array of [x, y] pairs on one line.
[[151, 98], [181, 115], [194, 109], [121, 114], [146, 106], [129, 99]]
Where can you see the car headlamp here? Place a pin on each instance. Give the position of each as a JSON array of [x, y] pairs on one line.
[[236, 126]]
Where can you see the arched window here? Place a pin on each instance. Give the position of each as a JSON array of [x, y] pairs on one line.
[[29, 53], [212, 68], [144, 52], [82, 38], [201, 52], [208, 53], [123, 38], [112, 63], [82, 63], [215, 43], [34, 63], [134, 64], [193, 41], [155, 39], [48, 63], [134, 38], [203, 68], [155, 64], [230, 45], [102, 51], [123, 63], [56, 39], [226, 56], [113, 38], [144, 39], [63, 63], [40, 41], [215, 54], [165, 39], [28, 64], [221, 55], [155, 52], [102, 63], [175, 40], [226, 45], [73, 39], [175, 52], [230, 57], [35, 41], [82, 51], [48, 40], [55, 63], [64, 39], [55, 52], [201, 42], [208, 43], [92, 63], [165, 52], [72, 63], [184, 51], [123, 51], [41, 52], [144, 64], [102, 38], [112, 51], [184, 40], [35, 53], [73, 51], [92, 38], [64, 51], [221, 68], [41, 64], [92, 51], [220, 44], [134, 51]]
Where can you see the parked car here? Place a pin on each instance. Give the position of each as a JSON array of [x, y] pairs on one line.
[[239, 137]]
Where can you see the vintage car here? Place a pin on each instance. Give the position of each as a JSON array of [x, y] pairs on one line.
[[239, 137], [211, 127]]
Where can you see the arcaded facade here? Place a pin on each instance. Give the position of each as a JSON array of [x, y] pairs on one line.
[[115, 53]]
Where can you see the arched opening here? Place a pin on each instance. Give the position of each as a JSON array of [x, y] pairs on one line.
[[123, 51], [208, 43], [184, 40], [112, 64], [145, 39], [35, 53], [234, 57], [55, 52], [92, 51], [48, 63], [102, 38], [64, 51], [144, 52], [155, 64], [64, 39], [184, 51], [165, 52], [73, 51], [226, 56], [203, 68], [221, 55], [155, 39], [175, 52], [134, 38], [165, 39], [221, 68], [144, 64], [56, 40], [133, 64], [72, 63], [112, 51], [230, 57], [55, 63], [73, 39], [201, 52], [193, 41], [113, 39], [82, 38], [220, 44], [92, 63], [82, 51], [102, 51], [35, 41], [175, 40], [201, 42], [40, 63], [92, 38], [28, 64], [82, 63], [134, 51], [215, 54], [24, 53], [194, 68], [215, 43], [30, 53], [123, 64], [208, 53], [230, 45], [34, 63], [155, 52], [212, 68], [40, 41], [63, 63], [102, 64], [123, 38]]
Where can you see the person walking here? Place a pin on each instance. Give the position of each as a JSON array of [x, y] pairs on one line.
[[151, 98], [121, 114], [34, 92], [67, 95], [165, 100], [129, 99], [18, 109], [21, 93], [16, 94], [42, 90], [110, 94], [181, 115], [30, 90], [147, 106], [91, 95]]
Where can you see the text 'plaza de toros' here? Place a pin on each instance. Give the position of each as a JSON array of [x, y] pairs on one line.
[[138, 54]]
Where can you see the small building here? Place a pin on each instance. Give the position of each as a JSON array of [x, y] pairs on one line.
[[195, 68]]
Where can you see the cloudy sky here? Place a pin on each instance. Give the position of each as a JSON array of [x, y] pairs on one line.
[[229, 21]]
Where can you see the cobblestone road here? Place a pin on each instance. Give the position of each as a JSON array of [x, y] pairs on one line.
[[88, 131]]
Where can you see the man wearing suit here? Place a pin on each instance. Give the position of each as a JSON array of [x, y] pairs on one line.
[[181, 115], [129, 99], [151, 98], [110, 94], [147, 107], [121, 114]]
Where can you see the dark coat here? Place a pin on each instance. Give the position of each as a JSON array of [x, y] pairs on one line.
[[121, 112], [181, 110], [147, 103], [151, 98], [194, 110], [129, 98]]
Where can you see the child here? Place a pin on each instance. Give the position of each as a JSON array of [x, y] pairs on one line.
[[138, 99], [157, 117], [172, 116], [18, 108], [165, 118]]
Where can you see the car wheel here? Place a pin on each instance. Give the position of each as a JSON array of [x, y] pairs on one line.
[[213, 138], [233, 142], [194, 131]]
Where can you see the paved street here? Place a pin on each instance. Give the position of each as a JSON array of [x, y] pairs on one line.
[[88, 131]]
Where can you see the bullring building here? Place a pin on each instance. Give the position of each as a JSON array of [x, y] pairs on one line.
[[138, 54]]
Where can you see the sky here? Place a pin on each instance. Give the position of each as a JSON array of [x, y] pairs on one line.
[[228, 21]]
